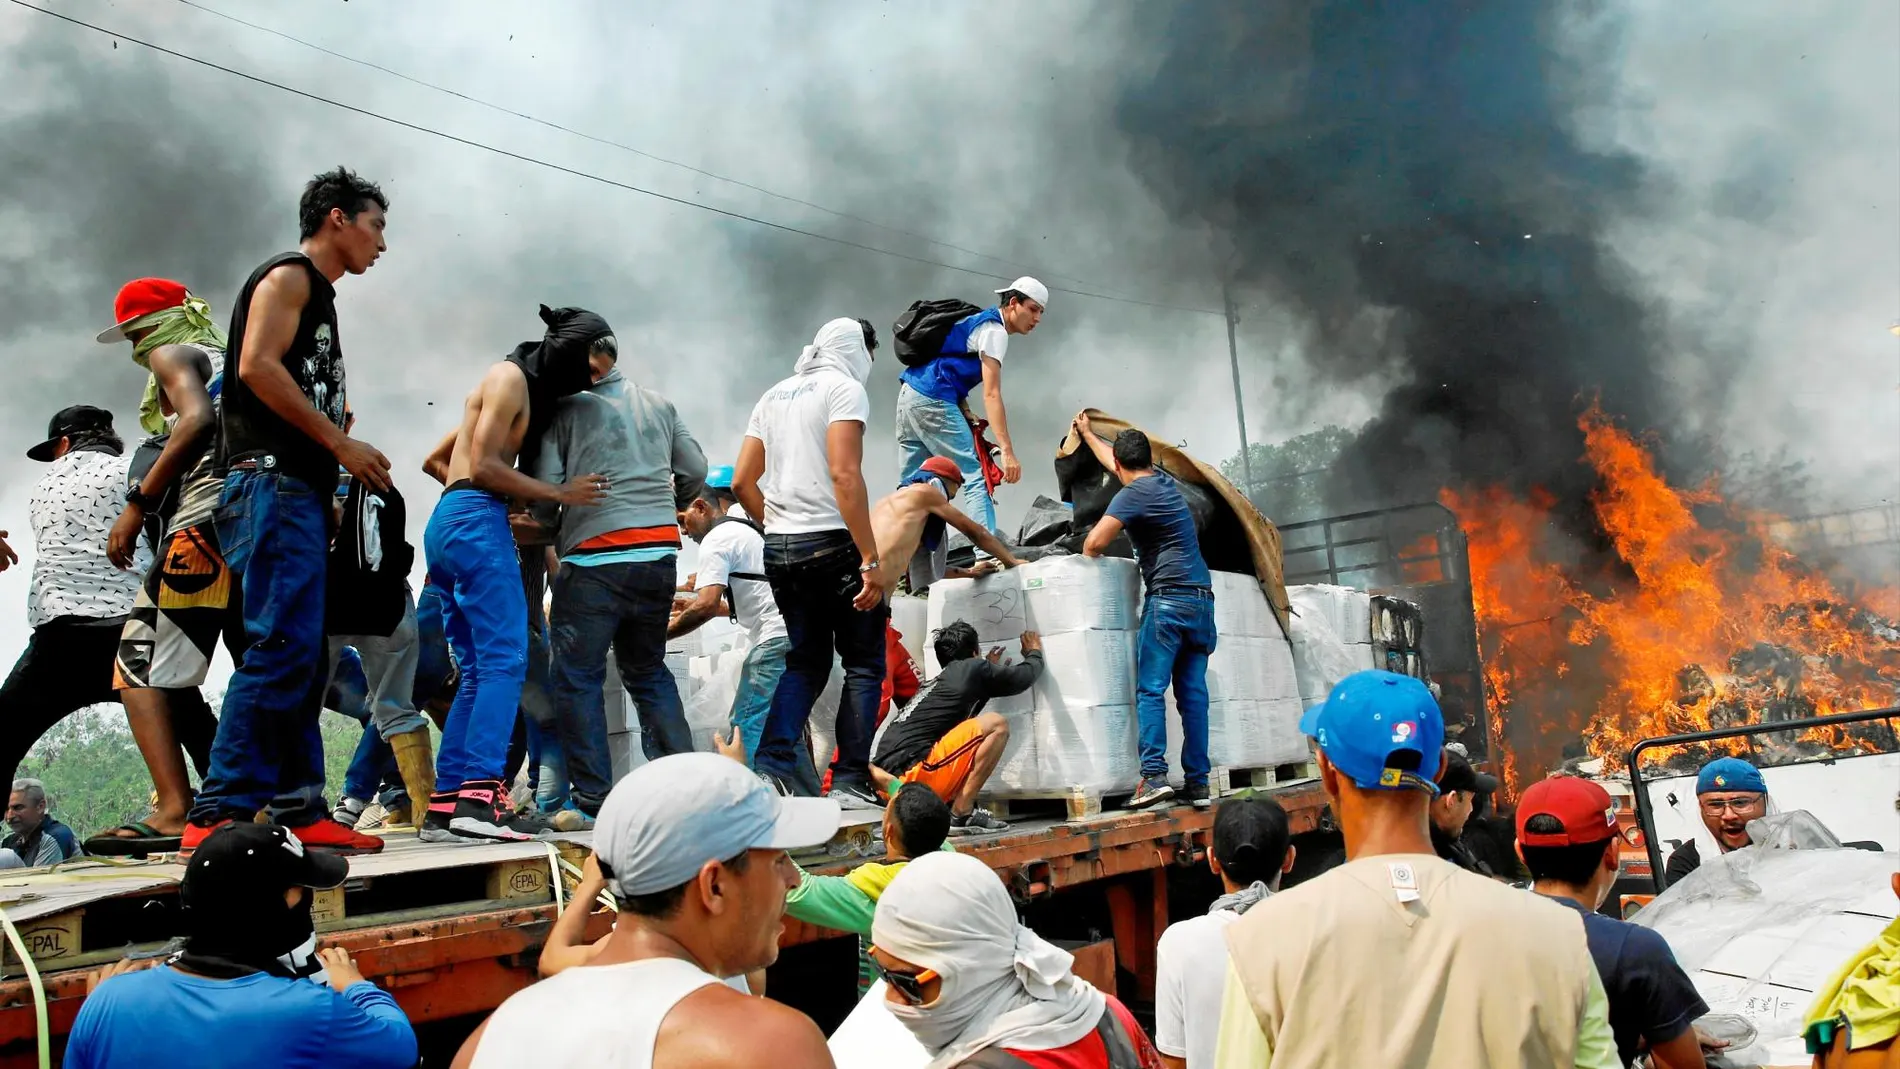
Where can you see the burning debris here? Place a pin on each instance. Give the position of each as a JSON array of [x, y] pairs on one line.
[[1695, 620]]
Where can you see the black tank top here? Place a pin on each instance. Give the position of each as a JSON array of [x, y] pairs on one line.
[[315, 363]]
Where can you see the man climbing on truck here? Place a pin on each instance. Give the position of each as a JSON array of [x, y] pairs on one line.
[[915, 516]]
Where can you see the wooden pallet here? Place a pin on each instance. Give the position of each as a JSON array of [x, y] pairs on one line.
[[1075, 803], [1224, 780]]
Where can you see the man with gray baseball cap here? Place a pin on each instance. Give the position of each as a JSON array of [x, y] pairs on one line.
[[694, 850]]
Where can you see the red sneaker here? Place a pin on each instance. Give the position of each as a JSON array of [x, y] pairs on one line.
[[328, 835], [195, 834]]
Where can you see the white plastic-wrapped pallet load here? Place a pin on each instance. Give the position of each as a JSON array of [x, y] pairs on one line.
[[1254, 706], [1331, 631], [1075, 729], [910, 618]]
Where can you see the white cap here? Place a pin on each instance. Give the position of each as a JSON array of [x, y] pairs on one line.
[[664, 820], [1029, 288]]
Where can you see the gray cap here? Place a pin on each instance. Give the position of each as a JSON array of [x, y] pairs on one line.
[[666, 819]]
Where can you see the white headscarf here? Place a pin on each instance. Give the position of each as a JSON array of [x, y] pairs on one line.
[[839, 345], [1003, 985]]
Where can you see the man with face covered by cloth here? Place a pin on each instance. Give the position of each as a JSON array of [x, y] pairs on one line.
[[471, 558], [250, 987]]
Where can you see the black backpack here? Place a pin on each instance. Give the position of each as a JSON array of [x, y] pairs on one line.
[[142, 460], [368, 571], [921, 330]]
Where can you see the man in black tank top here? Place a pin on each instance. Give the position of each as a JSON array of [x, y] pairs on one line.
[[282, 440]]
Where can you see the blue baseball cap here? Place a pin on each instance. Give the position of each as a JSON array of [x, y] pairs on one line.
[[1369, 717], [719, 478], [1729, 774]]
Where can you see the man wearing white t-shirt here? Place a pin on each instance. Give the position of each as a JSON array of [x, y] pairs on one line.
[[731, 579], [1252, 850], [801, 469], [933, 414]]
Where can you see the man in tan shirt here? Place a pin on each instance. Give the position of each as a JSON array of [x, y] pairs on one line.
[[1398, 959]]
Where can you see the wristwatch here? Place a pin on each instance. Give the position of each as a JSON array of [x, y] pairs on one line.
[[135, 495], [868, 566]]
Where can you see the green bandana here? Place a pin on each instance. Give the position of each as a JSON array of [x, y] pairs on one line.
[[188, 323]]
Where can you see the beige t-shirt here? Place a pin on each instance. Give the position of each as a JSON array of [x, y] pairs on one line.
[[1408, 962]]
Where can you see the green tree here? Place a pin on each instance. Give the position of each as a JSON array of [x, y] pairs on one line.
[[1289, 478]]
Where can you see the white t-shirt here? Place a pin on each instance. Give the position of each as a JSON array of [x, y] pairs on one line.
[[990, 339], [792, 420], [608, 1015], [72, 509], [1190, 978], [734, 547]]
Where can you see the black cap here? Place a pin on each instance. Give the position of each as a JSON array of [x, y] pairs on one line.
[[1458, 775], [66, 423], [241, 863]]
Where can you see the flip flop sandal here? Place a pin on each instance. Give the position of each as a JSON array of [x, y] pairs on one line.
[[147, 841]]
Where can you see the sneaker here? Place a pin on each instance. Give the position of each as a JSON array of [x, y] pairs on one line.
[[976, 822], [348, 811], [572, 820], [195, 835], [853, 795], [1197, 796], [1153, 789], [482, 813], [334, 838], [435, 819], [778, 786]]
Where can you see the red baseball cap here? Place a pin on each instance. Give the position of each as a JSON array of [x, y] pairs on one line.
[[139, 298], [1582, 806], [943, 468]]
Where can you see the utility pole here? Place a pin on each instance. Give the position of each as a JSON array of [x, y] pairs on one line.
[[1240, 411]]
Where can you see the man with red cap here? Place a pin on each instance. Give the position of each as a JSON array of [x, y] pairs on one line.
[[183, 604], [1566, 834], [915, 516]]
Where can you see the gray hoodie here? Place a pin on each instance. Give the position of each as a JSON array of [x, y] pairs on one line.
[[631, 435]]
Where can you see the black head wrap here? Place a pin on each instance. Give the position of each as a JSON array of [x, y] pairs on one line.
[[556, 366]]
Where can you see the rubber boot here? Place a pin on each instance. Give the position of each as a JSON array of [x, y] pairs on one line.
[[415, 762]]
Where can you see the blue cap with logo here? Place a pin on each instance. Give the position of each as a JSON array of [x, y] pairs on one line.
[[1369, 717], [1729, 774]]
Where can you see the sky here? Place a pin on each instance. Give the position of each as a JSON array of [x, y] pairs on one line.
[[1769, 234]]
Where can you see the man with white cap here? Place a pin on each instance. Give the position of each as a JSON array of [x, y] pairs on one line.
[[694, 850], [933, 415], [978, 989]]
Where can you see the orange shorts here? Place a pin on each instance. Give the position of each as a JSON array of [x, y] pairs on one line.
[[949, 762]]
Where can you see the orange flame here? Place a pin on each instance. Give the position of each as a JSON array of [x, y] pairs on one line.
[[1698, 623]]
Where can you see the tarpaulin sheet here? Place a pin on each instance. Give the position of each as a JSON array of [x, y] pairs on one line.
[[1235, 537]]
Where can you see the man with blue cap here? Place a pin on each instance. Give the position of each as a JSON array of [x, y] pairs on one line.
[[1446, 969], [694, 849], [731, 581], [1730, 792]]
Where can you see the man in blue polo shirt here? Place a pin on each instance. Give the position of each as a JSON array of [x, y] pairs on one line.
[[1566, 834], [1177, 612], [933, 415]]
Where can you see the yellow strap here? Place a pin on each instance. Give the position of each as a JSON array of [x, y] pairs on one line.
[[39, 989]]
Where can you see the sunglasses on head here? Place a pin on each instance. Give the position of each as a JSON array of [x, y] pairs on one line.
[[908, 985]]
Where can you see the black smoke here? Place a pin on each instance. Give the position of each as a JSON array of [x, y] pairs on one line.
[[1406, 175]]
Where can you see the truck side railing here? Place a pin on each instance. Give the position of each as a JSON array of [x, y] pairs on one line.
[[1643, 810]]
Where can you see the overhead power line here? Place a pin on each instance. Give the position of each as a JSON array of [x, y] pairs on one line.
[[611, 143], [576, 172]]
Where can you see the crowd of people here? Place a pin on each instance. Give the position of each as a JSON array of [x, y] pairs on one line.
[[254, 517]]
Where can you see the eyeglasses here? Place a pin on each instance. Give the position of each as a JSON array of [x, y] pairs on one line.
[[1733, 805], [908, 985]]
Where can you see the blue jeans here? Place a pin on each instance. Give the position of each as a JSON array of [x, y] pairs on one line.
[[471, 556], [927, 427], [624, 605], [537, 735], [814, 577], [275, 534], [758, 681], [1177, 634]]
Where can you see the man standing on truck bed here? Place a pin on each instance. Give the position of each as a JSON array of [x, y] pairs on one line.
[[283, 416], [933, 415], [1177, 616]]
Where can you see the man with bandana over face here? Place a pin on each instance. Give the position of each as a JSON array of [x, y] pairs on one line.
[[471, 558], [250, 988]]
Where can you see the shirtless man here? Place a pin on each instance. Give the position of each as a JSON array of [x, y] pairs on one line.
[[917, 513], [471, 557]]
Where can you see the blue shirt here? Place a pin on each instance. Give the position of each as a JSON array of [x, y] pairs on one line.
[[163, 1016], [953, 375], [1651, 998], [1158, 522]]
